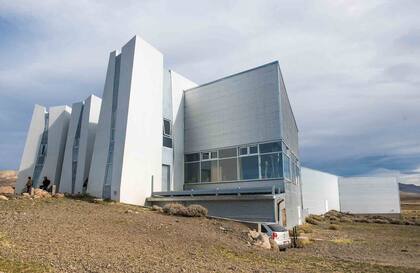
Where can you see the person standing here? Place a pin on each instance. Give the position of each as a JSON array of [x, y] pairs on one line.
[[29, 185], [45, 184]]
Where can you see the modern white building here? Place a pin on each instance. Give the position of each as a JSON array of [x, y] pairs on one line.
[[230, 145], [319, 191], [79, 145], [323, 191], [369, 195], [44, 147]]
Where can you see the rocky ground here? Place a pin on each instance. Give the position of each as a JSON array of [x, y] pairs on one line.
[[73, 235]]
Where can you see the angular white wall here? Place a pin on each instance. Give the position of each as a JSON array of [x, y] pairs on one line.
[[319, 191], [86, 113], [138, 139], [30, 150], [135, 78], [59, 118], [178, 85], [102, 139], [369, 195]]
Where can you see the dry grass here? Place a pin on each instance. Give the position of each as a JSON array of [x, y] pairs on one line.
[[181, 210]]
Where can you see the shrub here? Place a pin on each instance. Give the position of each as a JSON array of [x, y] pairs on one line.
[[312, 221], [381, 221], [362, 220], [157, 208], [333, 227], [181, 210], [396, 222], [333, 218], [342, 241], [174, 209], [305, 228], [346, 220], [196, 211], [302, 242]]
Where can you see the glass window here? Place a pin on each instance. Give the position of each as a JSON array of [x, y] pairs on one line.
[[192, 172], [248, 167], [167, 142], [253, 149], [231, 152], [192, 157], [270, 147], [167, 127], [271, 166], [286, 167], [213, 154], [205, 156], [228, 169], [209, 171], [243, 150]]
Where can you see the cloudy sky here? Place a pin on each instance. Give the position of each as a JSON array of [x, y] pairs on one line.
[[351, 68]]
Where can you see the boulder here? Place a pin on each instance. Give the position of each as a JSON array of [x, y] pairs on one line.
[[6, 190], [253, 234], [263, 241], [26, 195], [2, 197], [41, 193], [59, 195]]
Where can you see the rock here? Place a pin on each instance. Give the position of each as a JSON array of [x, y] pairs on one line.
[[263, 241], [253, 234], [41, 193], [6, 190], [273, 245], [157, 208], [2, 197], [26, 195], [129, 211], [59, 195]]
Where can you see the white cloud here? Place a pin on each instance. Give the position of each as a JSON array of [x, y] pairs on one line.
[[350, 66]]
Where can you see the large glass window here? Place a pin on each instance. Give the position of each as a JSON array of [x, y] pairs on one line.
[[286, 167], [192, 172], [192, 157], [228, 169], [270, 147], [167, 142], [167, 127], [231, 152], [271, 166], [248, 167], [209, 171], [247, 162]]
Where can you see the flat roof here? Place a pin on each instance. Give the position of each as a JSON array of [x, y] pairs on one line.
[[233, 75]]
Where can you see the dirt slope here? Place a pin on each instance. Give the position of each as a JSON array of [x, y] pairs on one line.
[[65, 235]]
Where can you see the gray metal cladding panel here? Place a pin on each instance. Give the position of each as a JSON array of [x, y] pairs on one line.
[[236, 110], [369, 195], [253, 211], [289, 126]]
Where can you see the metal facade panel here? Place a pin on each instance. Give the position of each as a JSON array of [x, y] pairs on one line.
[[236, 110], [369, 195], [289, 127]]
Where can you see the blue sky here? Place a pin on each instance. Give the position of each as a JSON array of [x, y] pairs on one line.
[[351, 68]]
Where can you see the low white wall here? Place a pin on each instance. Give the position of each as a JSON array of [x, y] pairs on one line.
[[369, 195], [319, 191]]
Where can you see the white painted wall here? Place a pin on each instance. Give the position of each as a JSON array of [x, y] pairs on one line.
[[59, 119], [89, 122], [66, 174], [100, 149], [30, 151], [87, 139], [178, 85], [138, 141], [369, 195], [319, 191]]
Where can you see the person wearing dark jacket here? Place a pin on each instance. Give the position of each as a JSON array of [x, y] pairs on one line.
[[29, 185], [45, 184]]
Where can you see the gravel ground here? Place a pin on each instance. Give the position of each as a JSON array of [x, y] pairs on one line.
[[68, 235]]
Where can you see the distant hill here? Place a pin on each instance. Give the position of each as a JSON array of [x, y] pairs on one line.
[[409, 188], [8, 178]]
